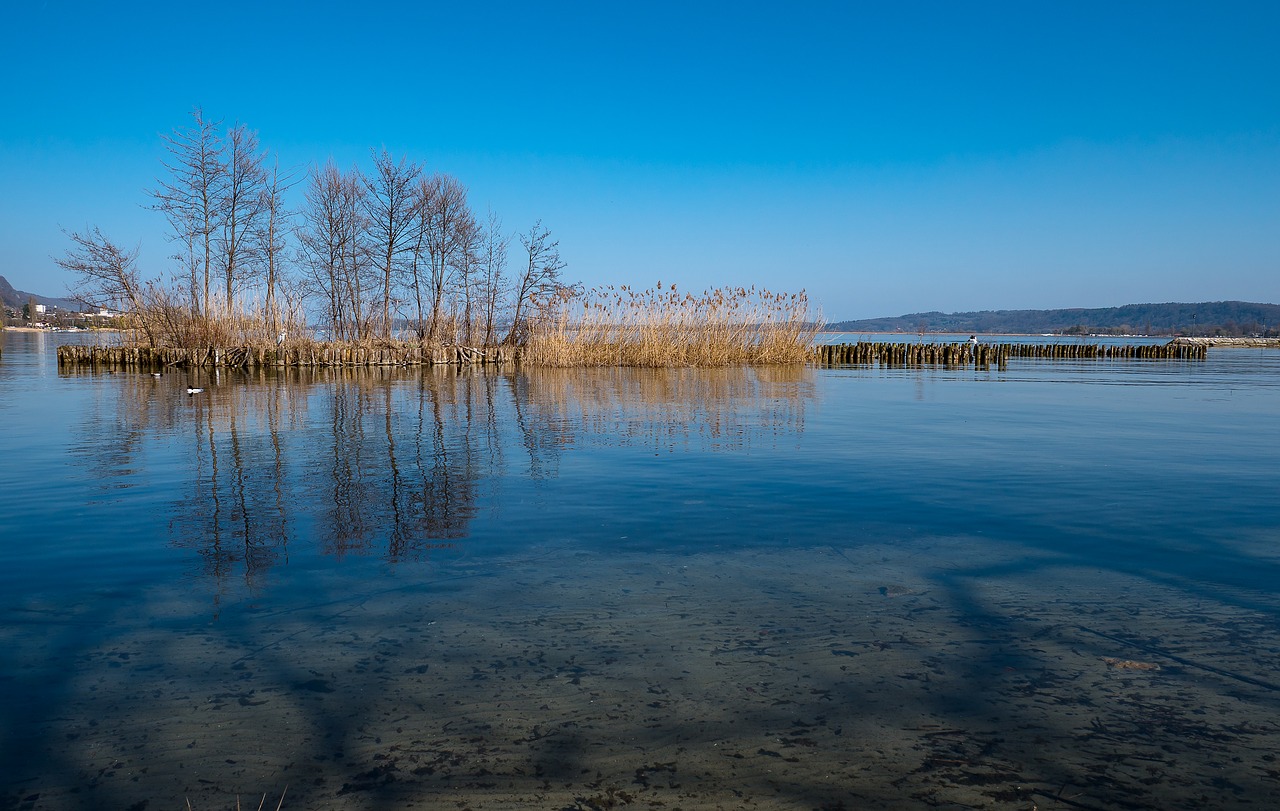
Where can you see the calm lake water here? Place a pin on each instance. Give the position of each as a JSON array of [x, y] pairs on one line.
[[1053, 585]]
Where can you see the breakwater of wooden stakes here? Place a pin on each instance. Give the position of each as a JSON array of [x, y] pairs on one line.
[[310, 355], [355, 355], [988, 354]]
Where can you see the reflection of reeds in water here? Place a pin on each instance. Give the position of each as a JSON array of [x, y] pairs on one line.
[[661, 328], [724, 407]]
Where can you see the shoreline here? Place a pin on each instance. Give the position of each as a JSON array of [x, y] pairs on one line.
[[95, 330]]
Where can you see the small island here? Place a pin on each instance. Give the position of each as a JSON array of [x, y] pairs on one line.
[[392, 267]]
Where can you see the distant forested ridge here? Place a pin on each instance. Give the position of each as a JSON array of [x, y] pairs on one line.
[[1225, 318]]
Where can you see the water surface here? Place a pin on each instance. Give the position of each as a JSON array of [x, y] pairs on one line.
[[781, 588]]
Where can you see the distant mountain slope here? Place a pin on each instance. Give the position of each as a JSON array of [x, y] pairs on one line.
[[16, 298], [1228, 317]]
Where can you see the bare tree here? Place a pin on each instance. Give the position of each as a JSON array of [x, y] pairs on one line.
[[491, 283], [106, 275], [446, 221], [391, 207], [465, 273], [539, 278], [417, 263], [317, 249], [493, 274], [239, 206], [270, 238], [189, 199], [356, 262], [332, 237]]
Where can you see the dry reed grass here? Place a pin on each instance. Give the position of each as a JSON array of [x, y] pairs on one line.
[[664, 328], [162, 320], [655, 328]]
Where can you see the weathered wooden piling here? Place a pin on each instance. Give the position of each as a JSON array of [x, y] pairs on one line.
[[987, 355], [901, 354], [1169, 351], [252, 357]]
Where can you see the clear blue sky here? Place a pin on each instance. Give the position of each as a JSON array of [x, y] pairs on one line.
[[888, 157]]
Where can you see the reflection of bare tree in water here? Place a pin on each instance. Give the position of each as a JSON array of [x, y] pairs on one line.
[[448, 442], [220, 451], [394, 462], [235, 514], [542, 434], [112, 440], [384, 462], [404, 459], [345, 526]]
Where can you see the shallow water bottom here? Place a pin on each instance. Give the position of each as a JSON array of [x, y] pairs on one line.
[[819, 678]]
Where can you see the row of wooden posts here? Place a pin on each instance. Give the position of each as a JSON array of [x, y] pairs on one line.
[[887, 354], [987, 355], [333, 354]]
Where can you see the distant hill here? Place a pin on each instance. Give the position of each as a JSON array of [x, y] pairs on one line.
[[1211, 318], [10, 297]]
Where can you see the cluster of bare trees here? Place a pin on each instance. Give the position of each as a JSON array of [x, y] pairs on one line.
[[399, 250], [225, 212], [395, 252]]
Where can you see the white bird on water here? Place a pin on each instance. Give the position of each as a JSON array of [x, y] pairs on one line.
[[191, 391]]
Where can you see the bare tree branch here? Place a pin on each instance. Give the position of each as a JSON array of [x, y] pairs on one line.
[[540, 276]]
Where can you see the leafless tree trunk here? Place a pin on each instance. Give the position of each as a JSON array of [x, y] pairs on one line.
[[417, 263], [357, 265], [493, 265], [271, 241], [190, 199], [391, 208], [466, 274], [240, 205]]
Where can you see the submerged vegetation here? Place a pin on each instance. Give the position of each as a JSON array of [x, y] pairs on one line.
[[393, 257]]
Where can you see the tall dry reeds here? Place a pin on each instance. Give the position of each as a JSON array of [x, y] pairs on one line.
[[162, 319], [656, 328], [622, 326]]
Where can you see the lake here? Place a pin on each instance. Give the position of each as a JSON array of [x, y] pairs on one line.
[[1049, 586]]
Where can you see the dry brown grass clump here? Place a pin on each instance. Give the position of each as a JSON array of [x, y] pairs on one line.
[[662, 328], [162, 320]]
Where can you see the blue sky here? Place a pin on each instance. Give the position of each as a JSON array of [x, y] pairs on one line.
[[888, 157]]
